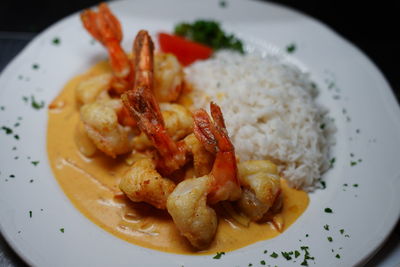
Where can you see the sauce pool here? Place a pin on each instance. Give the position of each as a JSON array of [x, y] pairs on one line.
[[92, 186]]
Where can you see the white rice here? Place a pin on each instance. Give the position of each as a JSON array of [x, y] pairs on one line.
[[270, 112]]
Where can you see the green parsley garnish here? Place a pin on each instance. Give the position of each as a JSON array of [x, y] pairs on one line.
[[337, 256], [331, 162], [291, 48], [7, 130], [30, 214], [35, 163], [353, 163], [341, 231], [328, 210], [296, 254], [62, 230], [355, 185], [262, 262], [218, 255], [222, 3], [286, 255], [16, 136], [35, 104], [274, 255], [265, 251], [209, 33], [330, 239], [322, 126], [326, 227], [56, 41], [35, 66], [12, 176], [323, 183]]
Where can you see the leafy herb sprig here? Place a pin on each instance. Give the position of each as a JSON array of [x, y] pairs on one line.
[[209, 33]]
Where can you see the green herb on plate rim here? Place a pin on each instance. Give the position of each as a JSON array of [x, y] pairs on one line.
[[56, 41], [328, 210], [218, 255], [291, 48]]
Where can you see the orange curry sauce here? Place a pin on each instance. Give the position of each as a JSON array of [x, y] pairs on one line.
[[92, 183]]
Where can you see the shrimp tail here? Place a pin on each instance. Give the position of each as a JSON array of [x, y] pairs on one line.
[[106, 29], [224, 181]]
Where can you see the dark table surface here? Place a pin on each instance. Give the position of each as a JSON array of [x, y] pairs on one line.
[[370, 26]]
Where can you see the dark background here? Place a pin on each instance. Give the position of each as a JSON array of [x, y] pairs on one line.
[[370, 25]]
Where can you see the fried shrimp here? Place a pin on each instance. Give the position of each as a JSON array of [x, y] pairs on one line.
[[142, 183], [224, 181], [188, 207], [101, 123], [188, 202], [105, 28], [143, 107], [262, 188]]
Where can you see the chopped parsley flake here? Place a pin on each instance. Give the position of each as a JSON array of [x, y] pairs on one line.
[[341, 231], [322, 126], [337, 256], [35, 104], [7, 130], [16, 124], [353, 163], [30, 214], [331, 162], [328, 210], [323, 184], [306, 235], [265, 251], [222, 3], [274, 255], [330, 239], [218, 255], [62, 230], [35, 162], [346, 235], [31, 180], [291, 48], [355, 185], [326, 227], [262, 262], [286, 255], [2, 107], [296, 254], [12, 176], [16, 136], [250, 264], [56, 41], [35, 66]]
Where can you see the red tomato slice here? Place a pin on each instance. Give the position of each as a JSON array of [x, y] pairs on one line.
[[186, 51]]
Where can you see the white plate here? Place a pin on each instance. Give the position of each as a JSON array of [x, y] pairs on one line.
[[367, 213]]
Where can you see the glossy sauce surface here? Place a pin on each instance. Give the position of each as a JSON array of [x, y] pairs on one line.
[[92, 186]]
